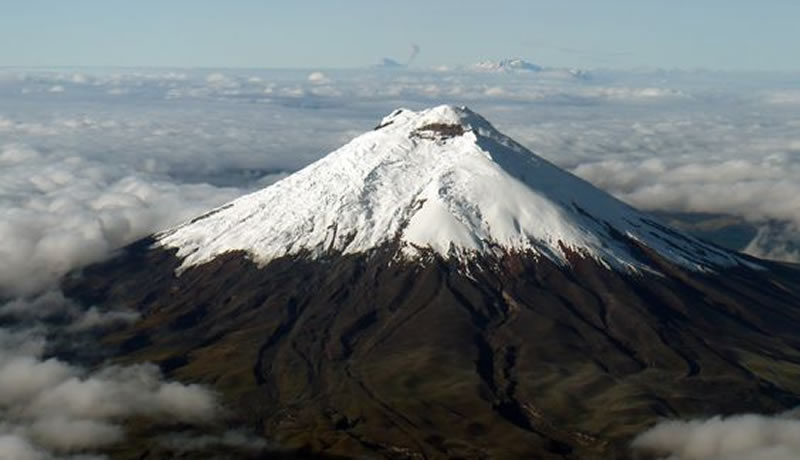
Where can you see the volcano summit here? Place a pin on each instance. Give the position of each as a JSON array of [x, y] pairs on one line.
[[432, 289], [442, 180]]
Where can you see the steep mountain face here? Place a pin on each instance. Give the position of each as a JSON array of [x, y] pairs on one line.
[[434, 290]]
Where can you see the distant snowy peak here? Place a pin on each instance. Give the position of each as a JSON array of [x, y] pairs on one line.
[[507, 65], [521, 66], [443, 181], [388, 63]]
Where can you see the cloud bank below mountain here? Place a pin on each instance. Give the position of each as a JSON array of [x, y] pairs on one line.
[[743, 437]]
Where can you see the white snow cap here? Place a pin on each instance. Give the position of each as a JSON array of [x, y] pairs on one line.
[[443, 180], [507, 65]]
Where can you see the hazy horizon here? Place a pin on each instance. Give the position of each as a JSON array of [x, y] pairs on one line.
[[625, 34]]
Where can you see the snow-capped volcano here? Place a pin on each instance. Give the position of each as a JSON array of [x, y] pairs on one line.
[[442, 180], [508, 65], [521, 66], [434, 290]]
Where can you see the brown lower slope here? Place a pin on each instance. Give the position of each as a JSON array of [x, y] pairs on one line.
[[510, 357]]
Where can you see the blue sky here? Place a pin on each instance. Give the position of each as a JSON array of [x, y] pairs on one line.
[[715, 34]]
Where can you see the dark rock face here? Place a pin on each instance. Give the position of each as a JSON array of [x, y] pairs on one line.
[[510, 357], [439, 130]]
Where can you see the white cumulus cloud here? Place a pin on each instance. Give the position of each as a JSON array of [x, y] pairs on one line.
[[743, 437], [318, 78]]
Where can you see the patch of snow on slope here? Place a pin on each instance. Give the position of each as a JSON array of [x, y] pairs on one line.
[[441, 179]]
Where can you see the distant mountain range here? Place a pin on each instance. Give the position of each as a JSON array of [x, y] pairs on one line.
[[514, 66], [508, 65]]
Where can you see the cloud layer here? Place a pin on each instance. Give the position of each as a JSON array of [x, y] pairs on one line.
[[744, 437], [57, 213], [49, 407]]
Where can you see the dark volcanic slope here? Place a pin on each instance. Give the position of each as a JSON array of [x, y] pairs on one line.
[[361, 354]]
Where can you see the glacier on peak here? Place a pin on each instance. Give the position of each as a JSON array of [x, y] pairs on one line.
[[508, 65], [442, 180]]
